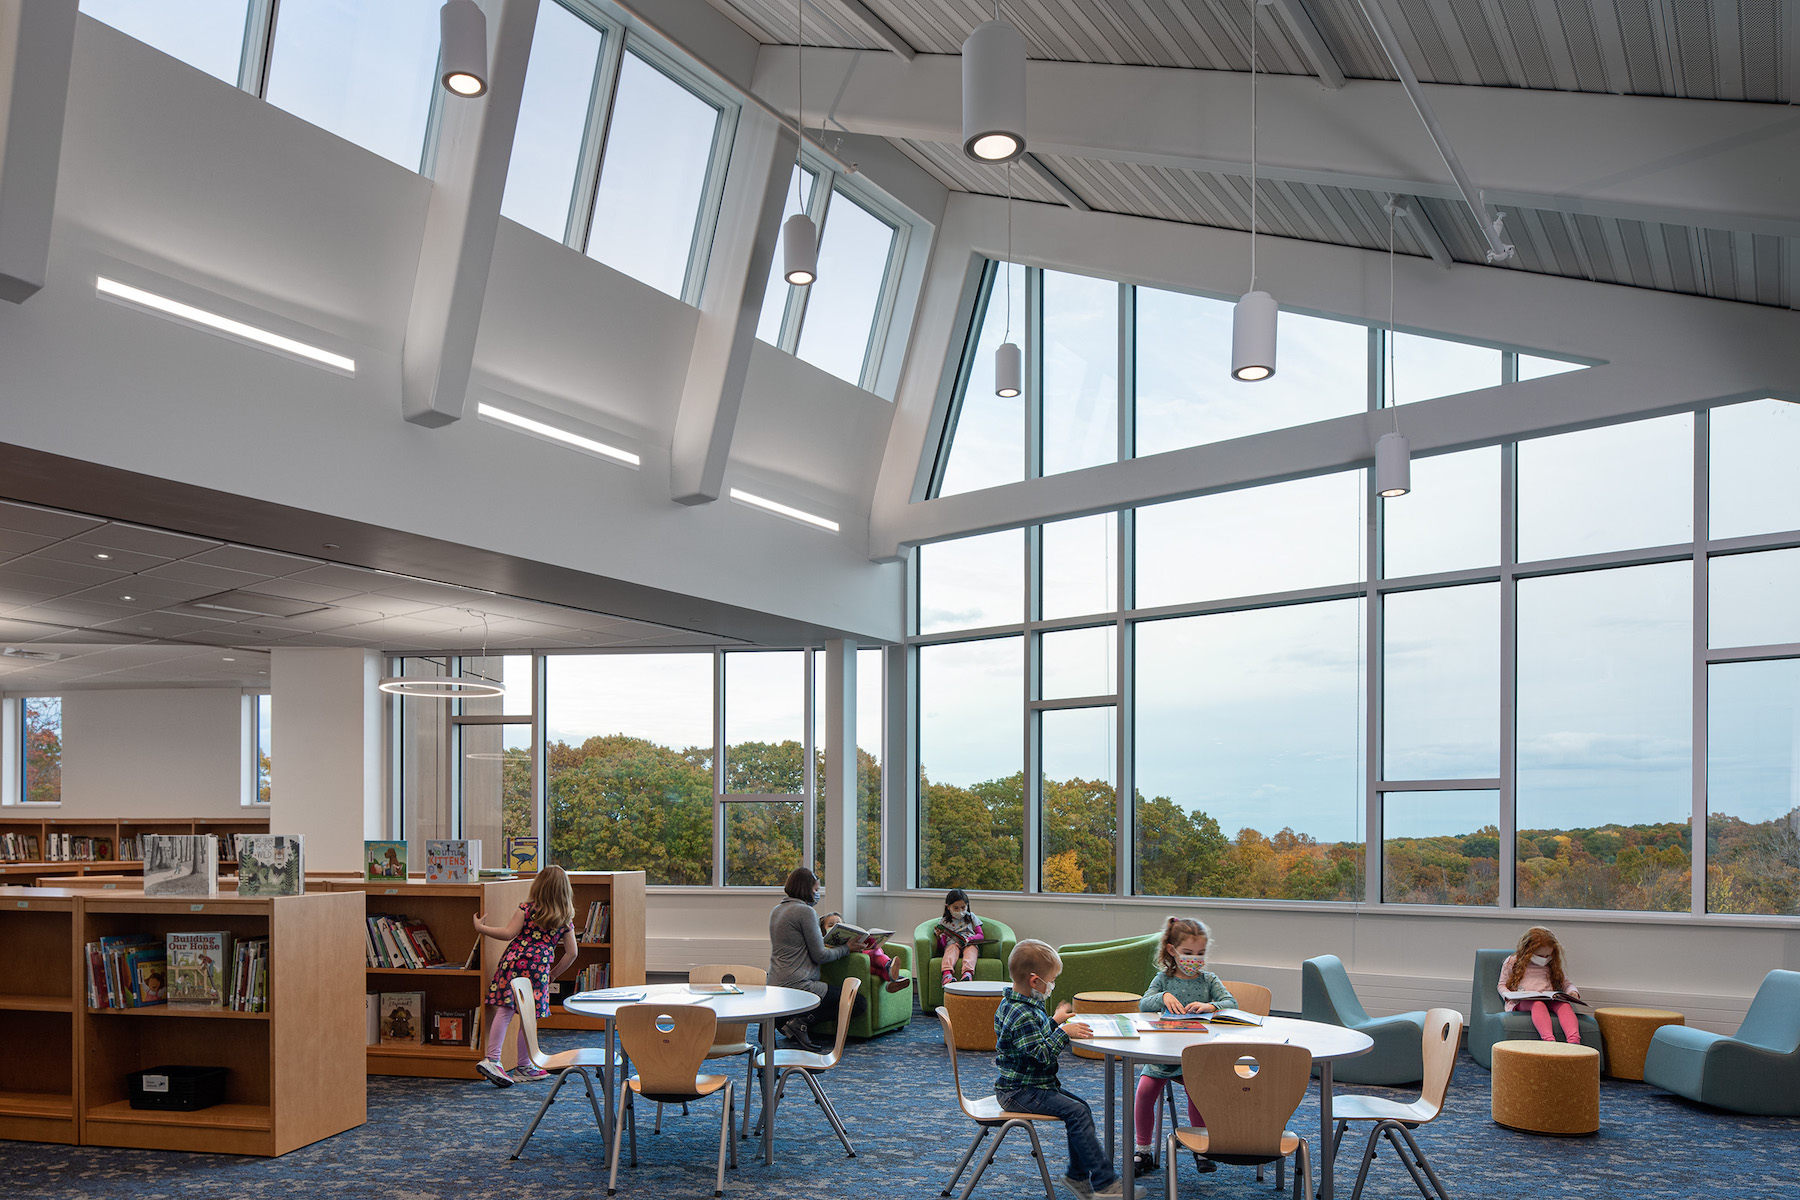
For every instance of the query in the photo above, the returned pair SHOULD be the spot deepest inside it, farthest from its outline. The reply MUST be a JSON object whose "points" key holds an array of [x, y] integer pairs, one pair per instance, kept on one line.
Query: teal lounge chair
{"points": [[1755, 1070], [1489, 1022], [1326, 995]]}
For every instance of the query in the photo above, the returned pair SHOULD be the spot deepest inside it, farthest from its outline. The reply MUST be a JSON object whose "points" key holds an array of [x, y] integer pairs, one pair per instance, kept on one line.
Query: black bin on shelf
{"points": [[177, 1088]]}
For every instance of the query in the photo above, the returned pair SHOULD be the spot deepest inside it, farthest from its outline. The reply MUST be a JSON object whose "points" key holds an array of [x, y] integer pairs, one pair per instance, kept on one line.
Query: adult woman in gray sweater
{"points": [[796, 952]]}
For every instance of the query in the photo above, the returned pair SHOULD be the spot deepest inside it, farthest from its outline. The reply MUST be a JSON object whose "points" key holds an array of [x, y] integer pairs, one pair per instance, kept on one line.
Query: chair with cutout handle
{"points": [[1396, 1120], [667, 1043], [1247, 1091], [987, 1114]]}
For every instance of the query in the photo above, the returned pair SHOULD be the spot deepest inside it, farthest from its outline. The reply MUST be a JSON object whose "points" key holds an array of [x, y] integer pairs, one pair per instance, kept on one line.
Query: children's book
{"points": [[452, 860], [1563, 996], [372, 1018], [522, 853], [967, 937], [197, 963], [844, 933], [1177, 1025], [403, 1018], [449, 1027], [384, 861], [181, 865], [271, 864], [715, 989], [1108, 1025], [611, 995], [152, 979], [1222, 1016]]}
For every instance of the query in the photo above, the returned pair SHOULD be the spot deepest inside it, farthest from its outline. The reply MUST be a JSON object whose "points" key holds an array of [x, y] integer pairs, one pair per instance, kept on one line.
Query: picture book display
{"points": [[383, 861], [844, 933], [403, 1018], [197, 964], [452, 860], [521, 854], [452, 1027], [271, 864], [181, 864]]}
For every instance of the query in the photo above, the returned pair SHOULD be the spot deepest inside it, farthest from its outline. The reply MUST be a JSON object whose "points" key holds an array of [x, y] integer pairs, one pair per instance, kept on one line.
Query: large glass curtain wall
{"points": [[630, 776], [1584, 648]]}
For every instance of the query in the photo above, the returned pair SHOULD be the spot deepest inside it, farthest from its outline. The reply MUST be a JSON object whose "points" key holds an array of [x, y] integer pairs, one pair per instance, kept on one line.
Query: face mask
{"points": [[818, 895], [1541, 960], [1189, 966], [1044, 992]]}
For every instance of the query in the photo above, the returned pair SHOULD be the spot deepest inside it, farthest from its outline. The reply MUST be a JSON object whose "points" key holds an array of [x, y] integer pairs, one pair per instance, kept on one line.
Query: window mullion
{"points": [[1701, 639], [593, 141], [259, 35]]}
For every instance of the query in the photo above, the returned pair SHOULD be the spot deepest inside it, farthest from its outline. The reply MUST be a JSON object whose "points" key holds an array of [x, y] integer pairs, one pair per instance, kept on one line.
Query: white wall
{"points": [[325, 752], [175, 752]]}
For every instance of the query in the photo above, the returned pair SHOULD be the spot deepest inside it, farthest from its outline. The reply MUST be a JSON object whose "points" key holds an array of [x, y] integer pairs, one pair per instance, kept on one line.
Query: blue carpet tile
{"points": [[440, 1138]]}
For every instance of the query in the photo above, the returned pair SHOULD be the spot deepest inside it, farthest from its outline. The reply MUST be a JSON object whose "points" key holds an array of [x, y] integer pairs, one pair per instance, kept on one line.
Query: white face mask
{"points": [[1540, 960], [1049, 987]]}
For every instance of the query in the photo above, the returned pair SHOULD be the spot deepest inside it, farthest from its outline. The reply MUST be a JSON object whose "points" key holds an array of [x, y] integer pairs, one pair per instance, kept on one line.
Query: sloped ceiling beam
{"points": [[1299, 22], [865, 19], [37, 45], [1053, 181], [1706, 163]]}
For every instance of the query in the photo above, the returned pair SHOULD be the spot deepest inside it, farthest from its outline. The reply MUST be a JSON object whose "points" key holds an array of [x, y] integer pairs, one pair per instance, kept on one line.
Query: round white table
{"points": [[1328, 1043], [759, 1005]]}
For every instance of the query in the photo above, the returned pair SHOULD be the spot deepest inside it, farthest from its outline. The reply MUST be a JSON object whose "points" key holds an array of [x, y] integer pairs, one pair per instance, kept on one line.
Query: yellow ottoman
{"points": [[1547, 1087], [1102, 1002], [1627, 1033], [972, 1006]]}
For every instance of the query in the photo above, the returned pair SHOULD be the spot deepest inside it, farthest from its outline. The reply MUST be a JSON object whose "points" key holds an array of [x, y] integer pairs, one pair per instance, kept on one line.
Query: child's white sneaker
{"points": [[1116, 1191], [494, 1073]]}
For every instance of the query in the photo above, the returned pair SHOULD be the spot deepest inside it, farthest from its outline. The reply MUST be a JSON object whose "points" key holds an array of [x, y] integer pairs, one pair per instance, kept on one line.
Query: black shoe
{"points": [[797, 1033], [1143, 1162], [1205, 1166]]}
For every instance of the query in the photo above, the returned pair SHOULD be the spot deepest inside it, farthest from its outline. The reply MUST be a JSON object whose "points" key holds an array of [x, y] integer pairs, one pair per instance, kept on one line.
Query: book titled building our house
{"points": [[271, 864], [197, 965], [384, 860], [181, 864], [452, 860]]}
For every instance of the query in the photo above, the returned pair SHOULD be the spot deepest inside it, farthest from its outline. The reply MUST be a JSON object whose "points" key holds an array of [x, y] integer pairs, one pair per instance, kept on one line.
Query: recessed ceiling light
{"points": [[102, 556], [783, 510], [331, 545], [228, 658], [128, 597], [501, 416], [213, 322]]}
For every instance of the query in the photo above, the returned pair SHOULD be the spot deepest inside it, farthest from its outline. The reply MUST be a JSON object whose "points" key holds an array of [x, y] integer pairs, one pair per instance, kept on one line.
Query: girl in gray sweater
{"points": [[1182, 985]]}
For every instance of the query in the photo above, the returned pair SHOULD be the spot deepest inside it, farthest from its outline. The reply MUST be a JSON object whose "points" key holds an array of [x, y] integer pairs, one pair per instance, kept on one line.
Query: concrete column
{"points": [[326, 752], [837, 791]]}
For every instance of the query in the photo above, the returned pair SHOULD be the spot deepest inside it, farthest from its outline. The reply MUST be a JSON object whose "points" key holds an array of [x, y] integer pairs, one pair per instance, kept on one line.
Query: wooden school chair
{"points": [[1247, 1091], [1443, 1034], [809, 1066], [668, 1044], [561, 1064], [989, 1116]]}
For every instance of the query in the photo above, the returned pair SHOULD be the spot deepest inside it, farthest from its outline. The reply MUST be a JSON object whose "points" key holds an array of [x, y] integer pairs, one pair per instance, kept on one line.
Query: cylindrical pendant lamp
{"points": [[1393, 466], [463, 51], [1253, 337], [799, 250], [993, 93], [1009, 370]]}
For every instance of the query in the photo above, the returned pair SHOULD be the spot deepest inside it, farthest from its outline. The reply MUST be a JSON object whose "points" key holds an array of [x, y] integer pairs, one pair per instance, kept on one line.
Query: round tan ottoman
{"points": [[1102, 1002], [1627, 1033], [972, 1006], [1547, 1087]]}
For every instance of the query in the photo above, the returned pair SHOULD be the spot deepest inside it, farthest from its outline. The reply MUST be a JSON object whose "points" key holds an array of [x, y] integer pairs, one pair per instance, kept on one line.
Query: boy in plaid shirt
{"points": [[1028, 1041]]}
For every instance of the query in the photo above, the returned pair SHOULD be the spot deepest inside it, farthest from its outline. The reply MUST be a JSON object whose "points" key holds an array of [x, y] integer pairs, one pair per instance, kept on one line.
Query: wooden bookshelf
{"points": [[623, 947], [25, 872], [448, 910], [296, 1070], [39, 1085]]}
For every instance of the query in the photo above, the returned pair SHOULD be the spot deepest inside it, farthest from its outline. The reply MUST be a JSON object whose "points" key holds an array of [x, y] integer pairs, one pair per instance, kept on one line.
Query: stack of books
{"points": [[599, 920], [127, 972], [593, 978], [250, 976], [398, 941], [19, 847]]}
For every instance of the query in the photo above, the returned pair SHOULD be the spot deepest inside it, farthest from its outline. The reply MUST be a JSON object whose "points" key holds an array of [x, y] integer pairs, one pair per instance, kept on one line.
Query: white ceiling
{"points": [[126, 605]]}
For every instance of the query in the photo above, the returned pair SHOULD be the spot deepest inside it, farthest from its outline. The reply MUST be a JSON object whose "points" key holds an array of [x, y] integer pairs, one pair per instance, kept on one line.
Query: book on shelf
{"points": [[594, 977], [231, 847], [1107, 1025], [599, 921], [197, 969], [181, 864], [250, 976], [844, 934], [393, 941], [271, 864], [403, 1018], [450, 1026], [19, 847], [114, 980], [383, 861], [452, 860], [372, 1018], [521, 854]]}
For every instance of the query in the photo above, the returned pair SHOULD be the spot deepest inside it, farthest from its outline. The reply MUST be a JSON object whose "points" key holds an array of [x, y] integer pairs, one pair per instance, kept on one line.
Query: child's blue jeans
{"points": [[1086, 1159]]}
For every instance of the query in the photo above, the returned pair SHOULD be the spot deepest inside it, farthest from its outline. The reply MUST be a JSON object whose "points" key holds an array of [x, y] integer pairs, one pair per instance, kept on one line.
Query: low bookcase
{"points": [[295, 1070], [622, 948], [448, 910]]}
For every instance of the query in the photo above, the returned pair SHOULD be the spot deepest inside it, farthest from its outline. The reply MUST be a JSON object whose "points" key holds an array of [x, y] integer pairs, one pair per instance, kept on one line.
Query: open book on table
{"points": [[1512, 995], [609, 995], [844, 934], [1220, 1016], [715, 989], [1107, 1025]]}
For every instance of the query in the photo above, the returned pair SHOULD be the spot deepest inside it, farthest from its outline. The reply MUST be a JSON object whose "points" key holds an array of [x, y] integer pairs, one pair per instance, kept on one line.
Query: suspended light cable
{"points": [[1393, 456], [1009, 363], [1254, 319], [799, 236]]}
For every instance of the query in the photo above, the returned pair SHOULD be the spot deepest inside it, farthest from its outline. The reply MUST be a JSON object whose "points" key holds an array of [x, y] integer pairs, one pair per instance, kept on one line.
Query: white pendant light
{"points": [[1254, 319], [799, 250], [1393, 466], [1009, 370], [462, 27], [993, 92]]}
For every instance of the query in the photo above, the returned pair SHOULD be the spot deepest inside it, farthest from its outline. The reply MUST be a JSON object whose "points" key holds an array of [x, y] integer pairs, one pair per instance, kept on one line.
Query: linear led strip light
{"points": [[212, 322], [557, 435], [782, 510]]}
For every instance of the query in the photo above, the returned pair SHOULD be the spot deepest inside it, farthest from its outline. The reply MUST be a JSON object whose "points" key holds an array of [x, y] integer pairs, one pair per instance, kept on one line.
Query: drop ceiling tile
{"points": [[49, 522], [90, 636], [263, 562], [20, 593], [435, 593], [87, 554], [73, 613], [140, 539], [159, 625], [14, 542], [219, 578], [25, 631], [387, 605], [212, 637], [295, 589], [339, 575], [144, 598], [80, 574]]}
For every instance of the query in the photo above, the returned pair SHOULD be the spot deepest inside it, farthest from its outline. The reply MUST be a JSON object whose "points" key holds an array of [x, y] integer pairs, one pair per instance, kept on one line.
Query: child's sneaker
{"points": [[1082, 1188], [899, 985], [529, 1074], [494, 1073], [1144, 1161], [1116, 1191]]}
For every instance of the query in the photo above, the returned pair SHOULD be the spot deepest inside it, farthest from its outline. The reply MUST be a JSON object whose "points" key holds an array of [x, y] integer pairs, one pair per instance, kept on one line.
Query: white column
{"points": [[837, 791], [37, 46], [325, 752]]}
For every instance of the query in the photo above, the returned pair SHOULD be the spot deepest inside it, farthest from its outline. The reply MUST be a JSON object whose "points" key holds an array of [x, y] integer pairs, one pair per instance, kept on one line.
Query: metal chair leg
{"points": [[612, 1176], [963, 1163], [749, 1086], [1037, 1152], [633, 1134], [989, 1156], [1368, 1157], [1388, 1128], [656, 1129], [724, 1141], [837, 1124], [1168, 1166], [542, 1109], [1424, 1165], [1303, 1180]]}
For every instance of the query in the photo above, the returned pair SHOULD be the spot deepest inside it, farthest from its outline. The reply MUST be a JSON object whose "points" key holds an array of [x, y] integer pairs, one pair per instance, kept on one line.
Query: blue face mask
{"points": [[818, 895]]}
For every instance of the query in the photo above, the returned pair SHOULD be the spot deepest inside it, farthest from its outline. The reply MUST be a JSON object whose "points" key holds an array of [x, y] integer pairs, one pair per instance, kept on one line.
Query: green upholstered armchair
{"points": [[886, 1010], [1326, 995], [991, 965], [1756, 1070], [1489, 1022], [1121, 965]]}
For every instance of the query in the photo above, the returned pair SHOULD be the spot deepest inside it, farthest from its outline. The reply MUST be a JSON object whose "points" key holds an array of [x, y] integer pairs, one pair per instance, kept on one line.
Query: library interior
{"points": [[1248, 643]]}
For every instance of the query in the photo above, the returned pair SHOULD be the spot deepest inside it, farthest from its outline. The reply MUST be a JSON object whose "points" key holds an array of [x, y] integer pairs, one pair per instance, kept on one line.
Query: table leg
{"points": [[1128, 1164], [768, 1098], [1110, 1147], [1325, 1156], [606, 1076]]}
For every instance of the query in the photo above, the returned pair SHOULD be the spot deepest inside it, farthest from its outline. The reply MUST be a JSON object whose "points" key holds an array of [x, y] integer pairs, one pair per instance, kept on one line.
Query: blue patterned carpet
{"points": [[427, 1139]]}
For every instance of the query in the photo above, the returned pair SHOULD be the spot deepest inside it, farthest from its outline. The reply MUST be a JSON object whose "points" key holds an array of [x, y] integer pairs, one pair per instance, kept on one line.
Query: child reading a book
{"points": [[542, 925], [1027, 1043], [1532, 980], [1182, 985], [881, 964], [959, 936]]}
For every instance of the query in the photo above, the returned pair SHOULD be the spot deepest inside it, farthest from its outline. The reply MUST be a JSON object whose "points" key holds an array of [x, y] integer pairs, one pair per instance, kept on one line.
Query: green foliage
{"points": [[43, 749]]}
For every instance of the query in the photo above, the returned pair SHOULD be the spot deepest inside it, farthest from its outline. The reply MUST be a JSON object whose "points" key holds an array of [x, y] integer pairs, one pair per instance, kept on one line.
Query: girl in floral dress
{"points": [[533, 936]]}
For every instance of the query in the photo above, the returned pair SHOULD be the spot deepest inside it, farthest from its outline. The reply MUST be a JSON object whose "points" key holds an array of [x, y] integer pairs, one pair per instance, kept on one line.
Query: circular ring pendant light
{"points": [[462, 26], [441, 688], [993, 92]]}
